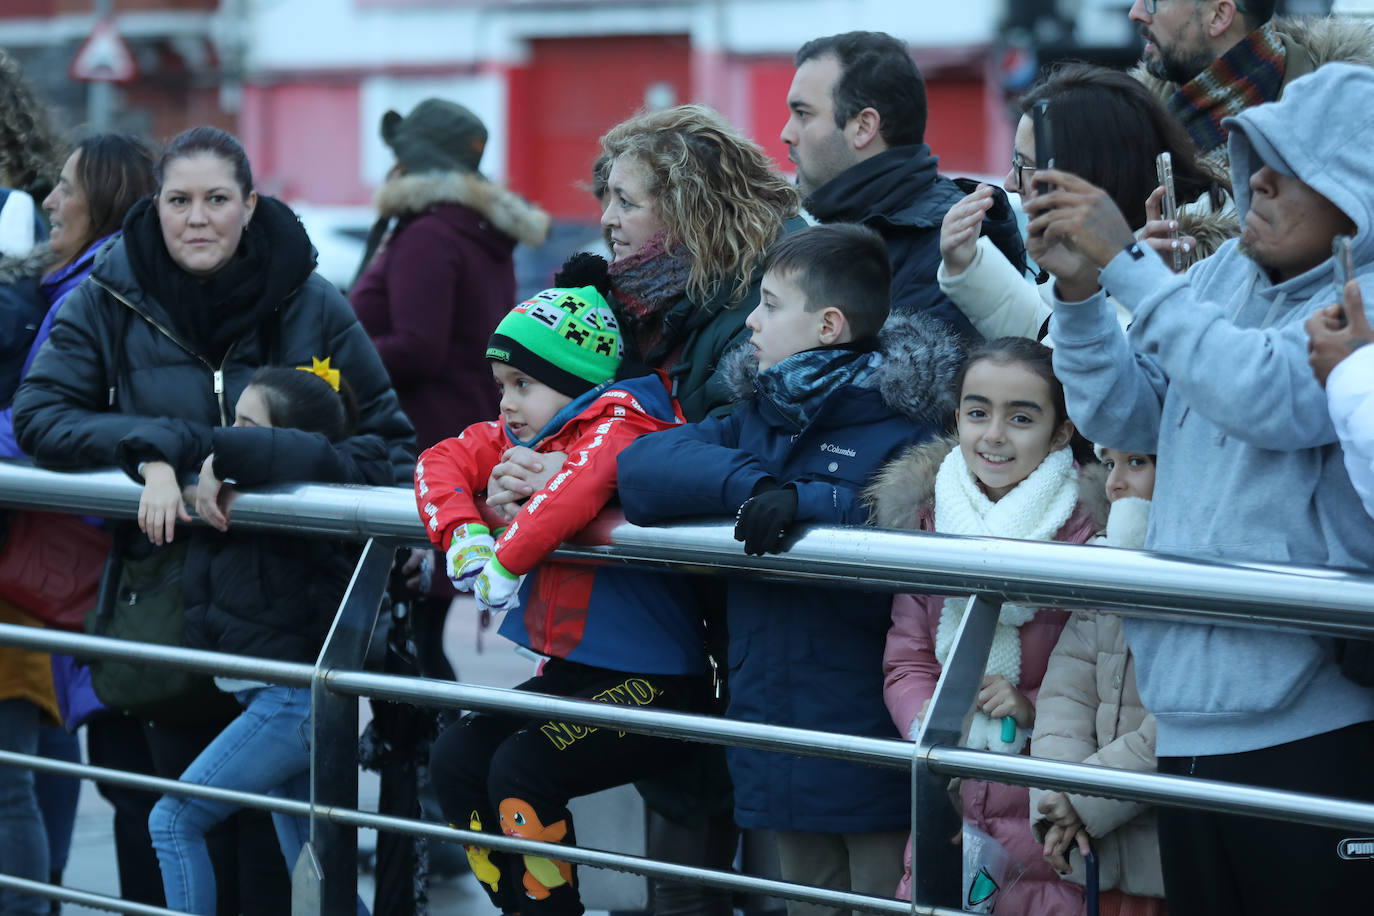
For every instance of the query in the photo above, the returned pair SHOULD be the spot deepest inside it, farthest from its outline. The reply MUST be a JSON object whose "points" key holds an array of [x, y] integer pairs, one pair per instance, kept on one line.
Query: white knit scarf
{"points": [[1034, 510]]}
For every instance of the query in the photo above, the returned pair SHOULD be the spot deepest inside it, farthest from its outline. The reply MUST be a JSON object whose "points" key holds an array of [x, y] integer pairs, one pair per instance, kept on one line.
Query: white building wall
{"points": [[344, 35]]}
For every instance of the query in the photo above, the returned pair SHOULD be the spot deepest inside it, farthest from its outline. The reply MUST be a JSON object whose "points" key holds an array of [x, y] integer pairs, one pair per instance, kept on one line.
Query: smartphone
{"points": [[1044, 142], [1345, 268], [1164, 169]]}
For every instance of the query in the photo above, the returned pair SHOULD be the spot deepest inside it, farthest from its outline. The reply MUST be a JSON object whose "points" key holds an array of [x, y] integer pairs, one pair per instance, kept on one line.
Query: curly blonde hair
{"points": [[715, 190], [30, 153]]}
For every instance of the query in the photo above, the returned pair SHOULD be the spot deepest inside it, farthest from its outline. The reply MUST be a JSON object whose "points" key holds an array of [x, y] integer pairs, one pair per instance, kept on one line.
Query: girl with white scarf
{"points": [[1012, 474]]}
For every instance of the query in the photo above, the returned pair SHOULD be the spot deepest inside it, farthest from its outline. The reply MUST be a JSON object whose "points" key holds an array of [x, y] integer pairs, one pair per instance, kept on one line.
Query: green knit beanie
{"points": [[567, 339]]}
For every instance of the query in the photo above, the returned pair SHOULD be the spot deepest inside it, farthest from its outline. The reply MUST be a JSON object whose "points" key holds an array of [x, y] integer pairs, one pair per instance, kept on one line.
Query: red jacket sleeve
{"points": [[449, 476], [576, 493]]}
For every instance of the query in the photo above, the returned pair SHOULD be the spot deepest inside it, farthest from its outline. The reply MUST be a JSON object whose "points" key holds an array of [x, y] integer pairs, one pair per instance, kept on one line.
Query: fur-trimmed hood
{"points": [[28, 266], [905, 488], [1209, 226], [920, 361], [507, 211]]}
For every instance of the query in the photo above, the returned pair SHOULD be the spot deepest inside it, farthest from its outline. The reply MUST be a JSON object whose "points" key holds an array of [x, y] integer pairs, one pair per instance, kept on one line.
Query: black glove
{"points": [[763, 520]]}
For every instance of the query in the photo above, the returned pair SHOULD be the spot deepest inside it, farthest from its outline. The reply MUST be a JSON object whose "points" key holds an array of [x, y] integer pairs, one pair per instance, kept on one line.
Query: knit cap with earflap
{"points": [[567, 339]]}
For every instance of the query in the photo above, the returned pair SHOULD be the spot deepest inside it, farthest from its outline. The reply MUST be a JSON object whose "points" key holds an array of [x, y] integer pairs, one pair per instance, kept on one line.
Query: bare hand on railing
{"points": [[521, 473], [213, 497], [999, 698], [160, 506]]}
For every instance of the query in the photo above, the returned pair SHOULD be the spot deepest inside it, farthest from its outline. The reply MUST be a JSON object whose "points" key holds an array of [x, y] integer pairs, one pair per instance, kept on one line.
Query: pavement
{"points": [[91, 865]]}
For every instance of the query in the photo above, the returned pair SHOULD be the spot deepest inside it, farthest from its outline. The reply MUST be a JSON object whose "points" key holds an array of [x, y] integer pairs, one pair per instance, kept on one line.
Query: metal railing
{"points": [[1317, 600]]}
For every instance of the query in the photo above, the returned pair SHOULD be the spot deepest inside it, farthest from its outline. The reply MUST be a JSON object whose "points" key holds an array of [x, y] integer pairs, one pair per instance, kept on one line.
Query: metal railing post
{"points": [[333, 847], [936, 862]]}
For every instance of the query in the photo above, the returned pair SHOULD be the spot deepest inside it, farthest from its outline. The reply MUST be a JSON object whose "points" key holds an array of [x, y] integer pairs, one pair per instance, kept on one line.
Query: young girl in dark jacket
{"points": [[269, 596]]}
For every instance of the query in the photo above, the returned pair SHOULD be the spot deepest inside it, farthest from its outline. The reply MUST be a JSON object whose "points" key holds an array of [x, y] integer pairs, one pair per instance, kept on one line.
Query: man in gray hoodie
{"points": [[1213, 374]]}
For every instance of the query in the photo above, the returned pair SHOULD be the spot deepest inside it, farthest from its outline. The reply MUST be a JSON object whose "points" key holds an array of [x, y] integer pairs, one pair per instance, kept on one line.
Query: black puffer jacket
{"points": [[901, 195], [115, 360], [260, 595]]}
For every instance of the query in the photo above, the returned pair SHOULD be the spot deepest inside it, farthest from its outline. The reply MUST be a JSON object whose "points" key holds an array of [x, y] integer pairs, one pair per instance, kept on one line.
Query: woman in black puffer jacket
{"points": [[208, 283]]}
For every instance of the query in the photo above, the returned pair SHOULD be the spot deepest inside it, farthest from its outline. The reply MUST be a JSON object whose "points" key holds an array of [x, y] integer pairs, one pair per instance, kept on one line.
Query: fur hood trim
{"points": [[916, 378], [507, 211], [1326, 38], [1209, 225], [905, 487], [32, 265]]}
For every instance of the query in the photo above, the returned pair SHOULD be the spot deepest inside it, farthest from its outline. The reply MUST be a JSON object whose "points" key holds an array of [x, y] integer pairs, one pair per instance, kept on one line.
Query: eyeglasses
{"points": [[1022, 170], [1152, 5]]}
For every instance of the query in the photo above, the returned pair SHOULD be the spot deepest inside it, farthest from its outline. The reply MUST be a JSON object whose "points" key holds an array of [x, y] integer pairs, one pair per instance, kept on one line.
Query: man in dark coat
{"points": [[857, 136]]}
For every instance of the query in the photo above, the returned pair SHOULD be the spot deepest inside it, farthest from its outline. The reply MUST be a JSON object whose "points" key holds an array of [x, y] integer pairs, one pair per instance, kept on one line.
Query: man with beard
{"points": [[856, 134], [1210, 59], [1213, 376]]}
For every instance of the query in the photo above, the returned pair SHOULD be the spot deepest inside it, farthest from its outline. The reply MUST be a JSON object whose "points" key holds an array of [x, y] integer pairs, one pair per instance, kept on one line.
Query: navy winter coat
{"points": [[252, 593], [804, 655], [901, 195]]}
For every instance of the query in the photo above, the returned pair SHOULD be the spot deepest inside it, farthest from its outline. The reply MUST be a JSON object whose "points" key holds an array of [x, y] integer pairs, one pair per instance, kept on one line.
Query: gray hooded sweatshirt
{"points": [[1214, 370]]}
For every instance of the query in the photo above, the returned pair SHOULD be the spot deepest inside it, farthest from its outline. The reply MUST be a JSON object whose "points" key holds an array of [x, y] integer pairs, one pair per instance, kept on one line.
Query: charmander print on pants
{"points": [[518, 819]]}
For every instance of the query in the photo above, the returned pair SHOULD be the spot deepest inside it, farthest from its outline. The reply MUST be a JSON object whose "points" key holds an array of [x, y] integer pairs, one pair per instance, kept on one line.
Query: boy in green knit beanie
{"points": [[611, 634]]}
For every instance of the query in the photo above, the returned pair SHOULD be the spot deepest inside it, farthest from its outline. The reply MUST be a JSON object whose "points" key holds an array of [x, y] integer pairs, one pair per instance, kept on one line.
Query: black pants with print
{"points": [[514, 775], [1219, 864]]}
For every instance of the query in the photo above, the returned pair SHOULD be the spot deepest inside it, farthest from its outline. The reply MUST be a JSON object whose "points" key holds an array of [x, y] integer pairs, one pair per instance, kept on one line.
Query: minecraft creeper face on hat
{"points": [[566, 338]]}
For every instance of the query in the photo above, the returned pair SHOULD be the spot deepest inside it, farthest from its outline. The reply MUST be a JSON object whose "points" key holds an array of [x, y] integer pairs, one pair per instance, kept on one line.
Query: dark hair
{"points": [[1108, 128], [844, 265], [1039, 359], [206, 140], [302, 400], [114, 172], [876, 71]]}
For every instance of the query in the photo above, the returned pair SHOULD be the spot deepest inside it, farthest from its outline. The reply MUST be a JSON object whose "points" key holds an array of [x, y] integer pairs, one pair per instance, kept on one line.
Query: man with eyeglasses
{"points": [[856, 134], [1211, 59]]}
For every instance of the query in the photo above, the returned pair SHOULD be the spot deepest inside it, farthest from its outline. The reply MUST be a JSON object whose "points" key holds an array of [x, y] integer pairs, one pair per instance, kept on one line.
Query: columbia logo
{"points": [[1356, 848], [836, 450]]}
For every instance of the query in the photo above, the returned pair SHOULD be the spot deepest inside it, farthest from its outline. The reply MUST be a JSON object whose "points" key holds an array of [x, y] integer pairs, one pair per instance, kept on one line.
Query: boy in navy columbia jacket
{"points": [[826, 399]]}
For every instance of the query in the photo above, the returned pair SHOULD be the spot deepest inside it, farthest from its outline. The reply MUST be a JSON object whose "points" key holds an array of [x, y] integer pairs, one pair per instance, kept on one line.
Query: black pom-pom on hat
{"points": [[584, 269]]}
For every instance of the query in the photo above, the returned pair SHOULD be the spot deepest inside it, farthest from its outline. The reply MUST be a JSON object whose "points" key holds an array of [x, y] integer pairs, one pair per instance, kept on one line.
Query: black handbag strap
{"points": [[109, 583]]}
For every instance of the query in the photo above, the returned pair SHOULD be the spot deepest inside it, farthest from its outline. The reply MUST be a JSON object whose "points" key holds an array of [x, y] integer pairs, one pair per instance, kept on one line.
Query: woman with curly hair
{"points": [[30, 154], [690, 207]]}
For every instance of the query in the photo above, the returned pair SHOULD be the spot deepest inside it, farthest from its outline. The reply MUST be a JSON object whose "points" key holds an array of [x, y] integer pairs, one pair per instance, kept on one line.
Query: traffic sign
{"points": [[104, 57]]}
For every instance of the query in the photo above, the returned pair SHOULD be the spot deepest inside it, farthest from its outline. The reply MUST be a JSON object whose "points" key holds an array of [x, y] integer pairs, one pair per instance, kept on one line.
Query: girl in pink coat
{"points": [[1011, 474]]}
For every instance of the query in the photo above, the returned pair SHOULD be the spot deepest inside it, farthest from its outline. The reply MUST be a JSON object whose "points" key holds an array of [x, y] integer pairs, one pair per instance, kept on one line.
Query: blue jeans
{"points": [[267, 750], [23, 841]]}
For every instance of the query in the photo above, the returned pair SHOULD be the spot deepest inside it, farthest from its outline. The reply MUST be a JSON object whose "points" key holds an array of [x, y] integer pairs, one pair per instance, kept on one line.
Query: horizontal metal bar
{"points": [[85, 898], [348, 817], [1319, 599], [890, 753], [290, 674], [1155, 788]]}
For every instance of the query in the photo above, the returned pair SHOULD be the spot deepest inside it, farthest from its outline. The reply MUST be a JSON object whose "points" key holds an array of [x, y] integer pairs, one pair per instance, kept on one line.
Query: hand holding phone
{"points": [[1345, 270], [1164, 168], [1044, 142]]}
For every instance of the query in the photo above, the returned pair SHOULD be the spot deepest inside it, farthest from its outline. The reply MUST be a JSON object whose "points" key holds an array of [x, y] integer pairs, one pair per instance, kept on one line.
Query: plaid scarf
{"points": [[799, 384], [1251, 73], [647, 284]]}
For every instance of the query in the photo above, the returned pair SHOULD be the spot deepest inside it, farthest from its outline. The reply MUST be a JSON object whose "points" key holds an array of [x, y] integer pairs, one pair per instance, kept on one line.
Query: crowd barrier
{"points": [[990, 570]]}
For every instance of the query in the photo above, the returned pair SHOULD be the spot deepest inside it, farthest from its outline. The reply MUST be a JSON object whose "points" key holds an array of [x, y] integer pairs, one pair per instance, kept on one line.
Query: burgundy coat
{"points": [[438, 287]]}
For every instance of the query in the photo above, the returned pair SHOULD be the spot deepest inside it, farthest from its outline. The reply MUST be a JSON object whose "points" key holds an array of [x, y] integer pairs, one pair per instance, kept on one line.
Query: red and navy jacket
{"points": [[611, 617]]}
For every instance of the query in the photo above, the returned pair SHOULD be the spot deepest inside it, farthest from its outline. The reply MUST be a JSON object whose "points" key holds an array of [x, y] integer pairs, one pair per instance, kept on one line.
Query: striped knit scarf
{"points": [[1251, 73]]}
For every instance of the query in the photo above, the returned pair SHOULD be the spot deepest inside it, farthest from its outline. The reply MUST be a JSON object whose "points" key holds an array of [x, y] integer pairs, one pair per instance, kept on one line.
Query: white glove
{"points": [[496, 589], [470, 549]]}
